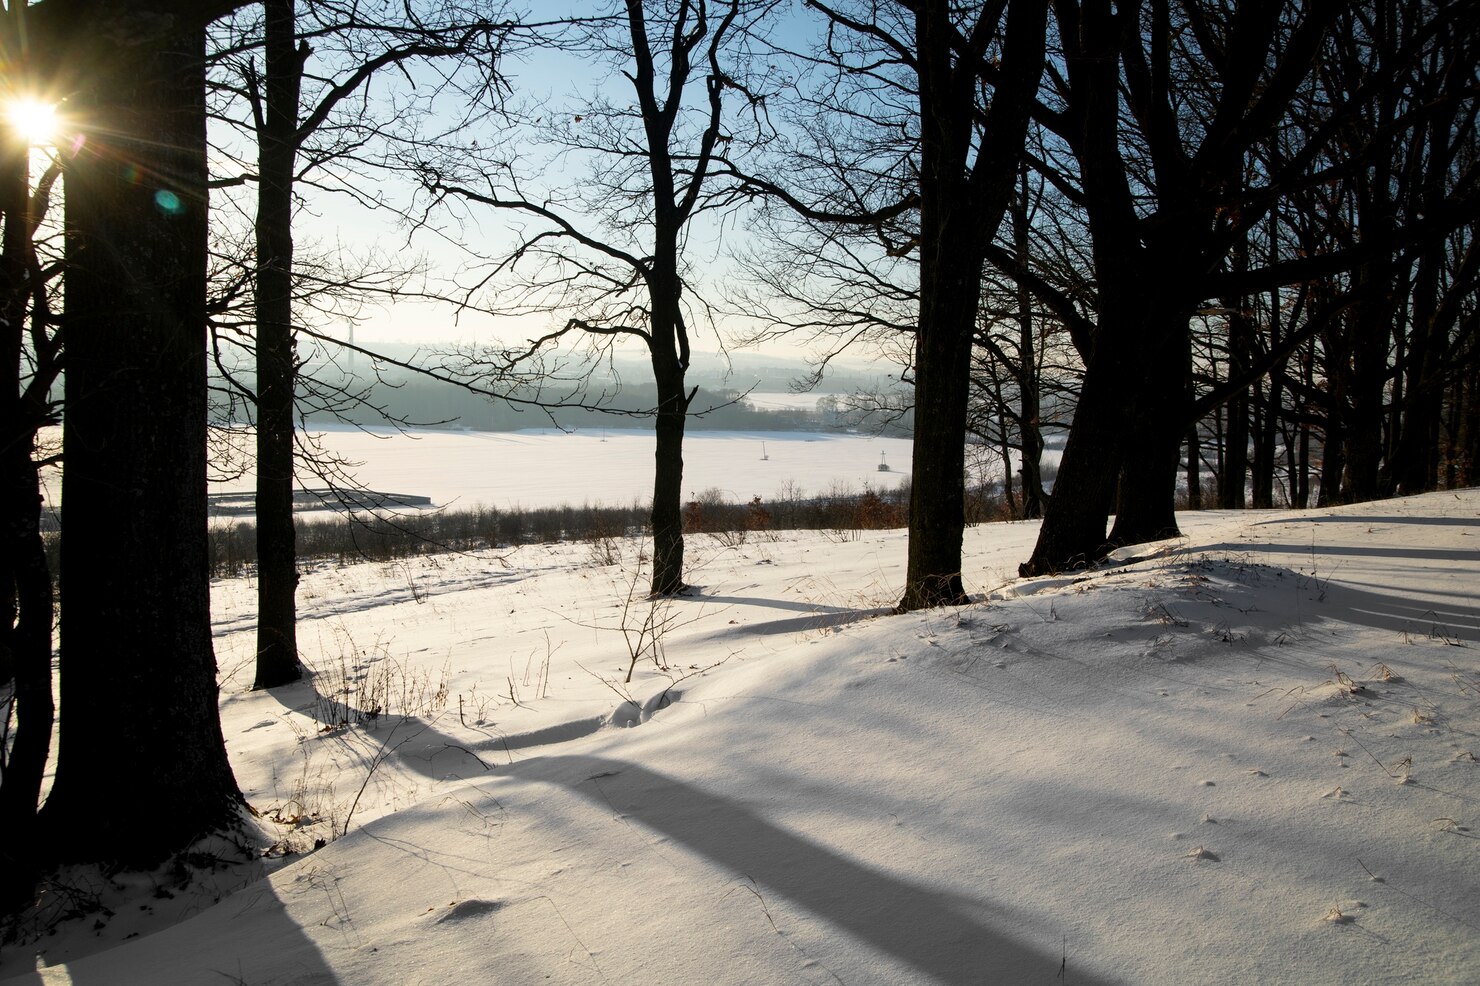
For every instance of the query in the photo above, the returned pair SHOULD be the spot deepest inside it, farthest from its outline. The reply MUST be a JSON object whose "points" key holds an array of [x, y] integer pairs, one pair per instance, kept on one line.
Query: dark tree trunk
{"points": [[1268, 399], [1262, 492], [1146, 508], [28, 642], [1464, 454], [938, 470], [277, 562], [1028, 379], [1266, 406], [1303, 410], [1233, 479], [1009, 488], [1194, 469], [1333, 462], [1363, 416], [667, 514], [963, 198], [25, 577], [138, 671], [1073, 532], [1415, 465]]}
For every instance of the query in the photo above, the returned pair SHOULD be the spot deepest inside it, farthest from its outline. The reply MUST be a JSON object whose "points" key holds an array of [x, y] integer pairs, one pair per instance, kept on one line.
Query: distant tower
{"points": [[883, 463], [352, 345]]}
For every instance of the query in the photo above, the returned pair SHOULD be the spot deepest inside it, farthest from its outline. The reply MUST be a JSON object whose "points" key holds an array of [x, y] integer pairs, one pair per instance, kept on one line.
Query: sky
{"points": [[460, 239]]}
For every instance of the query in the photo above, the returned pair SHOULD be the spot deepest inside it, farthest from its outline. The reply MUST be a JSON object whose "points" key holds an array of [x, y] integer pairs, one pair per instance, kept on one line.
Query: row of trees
{"points": [[1243, 230]]}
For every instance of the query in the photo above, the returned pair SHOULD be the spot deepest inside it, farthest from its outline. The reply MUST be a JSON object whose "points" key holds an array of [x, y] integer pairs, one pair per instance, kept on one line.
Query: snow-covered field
{"points": [[1249, 756]]}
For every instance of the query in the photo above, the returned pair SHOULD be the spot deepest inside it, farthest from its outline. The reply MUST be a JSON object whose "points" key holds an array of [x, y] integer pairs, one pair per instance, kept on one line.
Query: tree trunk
{"points": [[1363, 416], [28, 642], [1028, 378], [25, 577], [1146, 508], [1269, 401], [277, 562], [1464, 453], [1233, 479], [667, 515], [964, 194], [138, 673], [937, 512], [1194, 469], [1073, 532]]}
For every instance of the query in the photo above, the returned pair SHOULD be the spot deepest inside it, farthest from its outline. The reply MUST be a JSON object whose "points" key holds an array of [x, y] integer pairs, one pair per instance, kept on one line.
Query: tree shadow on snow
{"points": [[817, 618], [948, 938], [1371, 521], [249, 937], [1462, 554], [1427, 611]]}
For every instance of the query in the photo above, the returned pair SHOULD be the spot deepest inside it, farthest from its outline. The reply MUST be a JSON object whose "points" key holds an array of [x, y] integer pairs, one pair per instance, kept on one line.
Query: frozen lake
{"points": [[548, 467]]}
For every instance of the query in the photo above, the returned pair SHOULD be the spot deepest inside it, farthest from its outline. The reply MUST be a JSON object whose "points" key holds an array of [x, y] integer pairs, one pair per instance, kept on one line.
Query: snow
{"points": [[774, 400], [1247, 755], [548, 467]]}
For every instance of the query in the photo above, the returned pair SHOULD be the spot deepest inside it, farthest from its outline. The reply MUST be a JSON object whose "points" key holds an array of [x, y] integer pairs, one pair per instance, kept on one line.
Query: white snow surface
{"points": [[549, 468], [1244, 756]]}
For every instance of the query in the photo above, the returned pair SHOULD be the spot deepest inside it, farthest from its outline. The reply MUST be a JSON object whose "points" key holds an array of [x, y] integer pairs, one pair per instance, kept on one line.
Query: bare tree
{"points": [[298, 144], [948, 57], [613, 250]]}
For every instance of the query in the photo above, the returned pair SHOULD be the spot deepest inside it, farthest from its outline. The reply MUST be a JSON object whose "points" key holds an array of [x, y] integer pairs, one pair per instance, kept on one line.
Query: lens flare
{"points": [[168, 202], [32, 120]]}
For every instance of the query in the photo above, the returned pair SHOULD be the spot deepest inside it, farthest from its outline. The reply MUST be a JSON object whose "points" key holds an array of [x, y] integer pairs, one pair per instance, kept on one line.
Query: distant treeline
{"points": [[422, 402], [347, 539], [843, 514]]}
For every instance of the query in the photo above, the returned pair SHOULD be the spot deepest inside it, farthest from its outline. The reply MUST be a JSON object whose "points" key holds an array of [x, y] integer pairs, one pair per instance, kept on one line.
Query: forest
{"points": [[1227, 248]]}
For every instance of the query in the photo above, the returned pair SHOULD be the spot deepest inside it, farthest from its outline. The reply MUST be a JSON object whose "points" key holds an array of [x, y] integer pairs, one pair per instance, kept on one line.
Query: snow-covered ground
{"points": [[1248, 756]]}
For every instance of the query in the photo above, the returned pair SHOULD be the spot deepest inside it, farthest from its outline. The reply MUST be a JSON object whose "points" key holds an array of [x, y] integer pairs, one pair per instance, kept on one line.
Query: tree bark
{"points": [[1146, 505], [937, 514], [1233, 480], [1073, 532], [667, 512], [138, 673], [277, 559]]}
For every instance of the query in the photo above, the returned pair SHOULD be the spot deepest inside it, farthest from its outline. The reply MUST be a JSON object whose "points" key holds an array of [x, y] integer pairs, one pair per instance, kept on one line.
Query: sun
{"points": [[33, 120]]}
